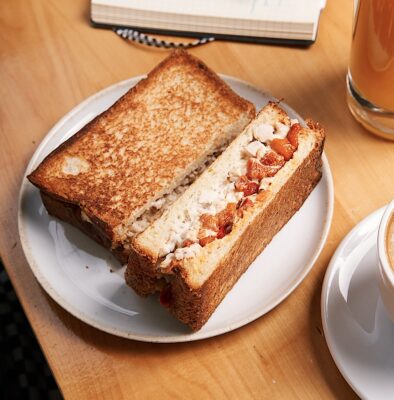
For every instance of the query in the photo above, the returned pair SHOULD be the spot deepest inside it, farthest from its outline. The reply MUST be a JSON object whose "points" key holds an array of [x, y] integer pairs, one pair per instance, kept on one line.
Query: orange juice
{"points": [[372, 56]]}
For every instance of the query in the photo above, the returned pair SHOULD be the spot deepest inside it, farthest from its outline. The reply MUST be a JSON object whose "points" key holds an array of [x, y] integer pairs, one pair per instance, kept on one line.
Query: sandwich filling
{"points": [[160, 205], [219, 209]]}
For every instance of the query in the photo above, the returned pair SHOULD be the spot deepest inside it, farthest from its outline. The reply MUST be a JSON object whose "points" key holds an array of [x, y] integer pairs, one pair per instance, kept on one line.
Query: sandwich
{"points": [[123, 169], [200, 246]]}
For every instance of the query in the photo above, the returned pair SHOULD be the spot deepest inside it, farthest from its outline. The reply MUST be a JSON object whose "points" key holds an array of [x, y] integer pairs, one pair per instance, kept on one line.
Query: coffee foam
{"points": [[390, 241]]}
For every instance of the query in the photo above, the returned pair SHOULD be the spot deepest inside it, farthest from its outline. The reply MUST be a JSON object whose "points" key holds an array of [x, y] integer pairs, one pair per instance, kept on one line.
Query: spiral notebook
{"points": [[291, 21]]}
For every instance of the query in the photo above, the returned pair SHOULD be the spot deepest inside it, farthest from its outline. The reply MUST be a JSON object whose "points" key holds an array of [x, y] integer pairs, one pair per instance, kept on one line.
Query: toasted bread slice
{"points": [[143, 147], [194, 274]]}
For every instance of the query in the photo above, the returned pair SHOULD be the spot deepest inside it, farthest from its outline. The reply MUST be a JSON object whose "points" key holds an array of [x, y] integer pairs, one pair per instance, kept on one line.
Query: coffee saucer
{"points": [[357, 328]]}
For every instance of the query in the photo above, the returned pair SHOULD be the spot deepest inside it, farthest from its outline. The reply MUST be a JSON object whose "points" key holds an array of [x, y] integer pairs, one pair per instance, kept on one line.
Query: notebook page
{"points": [[268, 10]]}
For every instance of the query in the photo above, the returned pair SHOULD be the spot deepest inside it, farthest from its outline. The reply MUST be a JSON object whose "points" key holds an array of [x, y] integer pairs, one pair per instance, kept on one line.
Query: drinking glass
{"points": [[370, 78]]}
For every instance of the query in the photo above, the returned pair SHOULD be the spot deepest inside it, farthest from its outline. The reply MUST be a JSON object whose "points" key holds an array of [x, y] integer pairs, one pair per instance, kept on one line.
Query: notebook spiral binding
{"points": [[135, 36]]}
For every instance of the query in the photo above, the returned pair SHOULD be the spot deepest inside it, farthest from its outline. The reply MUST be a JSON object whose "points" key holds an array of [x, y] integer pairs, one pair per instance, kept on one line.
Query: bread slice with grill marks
{"points": [[142, 148], [198, 276]]}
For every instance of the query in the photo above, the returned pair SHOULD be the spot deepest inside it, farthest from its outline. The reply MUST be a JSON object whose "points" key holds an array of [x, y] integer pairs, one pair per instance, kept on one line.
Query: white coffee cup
{"points": [[385, 270]]}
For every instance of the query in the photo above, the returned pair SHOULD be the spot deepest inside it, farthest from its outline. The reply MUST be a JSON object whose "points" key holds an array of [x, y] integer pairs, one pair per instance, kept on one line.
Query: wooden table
{"points": [[51, 59]]}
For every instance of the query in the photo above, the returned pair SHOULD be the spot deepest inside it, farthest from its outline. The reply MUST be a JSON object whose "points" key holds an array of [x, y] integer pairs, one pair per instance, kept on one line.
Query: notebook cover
{"points": [[234, 38]]}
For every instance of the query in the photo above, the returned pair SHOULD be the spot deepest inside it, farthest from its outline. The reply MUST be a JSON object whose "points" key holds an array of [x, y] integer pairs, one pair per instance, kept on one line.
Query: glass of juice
{"points": [[370, 79]]}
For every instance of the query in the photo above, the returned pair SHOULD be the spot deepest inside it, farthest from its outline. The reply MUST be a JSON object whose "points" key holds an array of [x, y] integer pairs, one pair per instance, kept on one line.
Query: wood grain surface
{"points": [[50, 60]]}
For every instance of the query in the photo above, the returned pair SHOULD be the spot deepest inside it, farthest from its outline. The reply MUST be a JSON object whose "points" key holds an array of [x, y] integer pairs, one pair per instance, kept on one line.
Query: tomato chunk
{"points": [[187, 243], [283, 147], [252, 188], [209, 222], [166, 296], [227, 215], [205, 240], [255, 170], [246, 203], [224, 230], [258, 171], [292, 136], [272, 158], [242, 183]]}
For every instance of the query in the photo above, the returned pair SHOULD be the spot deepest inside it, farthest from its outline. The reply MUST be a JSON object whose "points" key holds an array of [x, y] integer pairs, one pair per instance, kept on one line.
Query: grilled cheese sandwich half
{"points": [[123, 169]]}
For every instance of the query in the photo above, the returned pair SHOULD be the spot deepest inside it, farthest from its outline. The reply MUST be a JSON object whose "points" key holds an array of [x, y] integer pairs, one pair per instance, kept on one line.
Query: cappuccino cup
{"points": [[386, 259]]}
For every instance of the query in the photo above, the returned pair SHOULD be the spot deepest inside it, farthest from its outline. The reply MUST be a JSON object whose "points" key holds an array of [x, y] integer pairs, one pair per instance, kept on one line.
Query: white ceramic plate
{"points": [[358, 331], [88, 282]]}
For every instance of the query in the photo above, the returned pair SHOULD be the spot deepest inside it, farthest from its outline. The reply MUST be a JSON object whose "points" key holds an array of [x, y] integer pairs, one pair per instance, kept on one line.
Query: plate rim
{"points": [[332, 268], [178, 338]]}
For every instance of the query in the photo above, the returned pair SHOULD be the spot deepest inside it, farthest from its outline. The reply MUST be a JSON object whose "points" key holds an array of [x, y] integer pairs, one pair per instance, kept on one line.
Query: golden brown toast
{"points": [[141, 148], [194, 276]]}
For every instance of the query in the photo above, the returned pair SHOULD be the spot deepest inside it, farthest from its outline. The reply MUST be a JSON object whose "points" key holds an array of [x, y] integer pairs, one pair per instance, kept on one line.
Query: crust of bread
{"points": [[194, 298], [139, 273], [122, 166]]}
